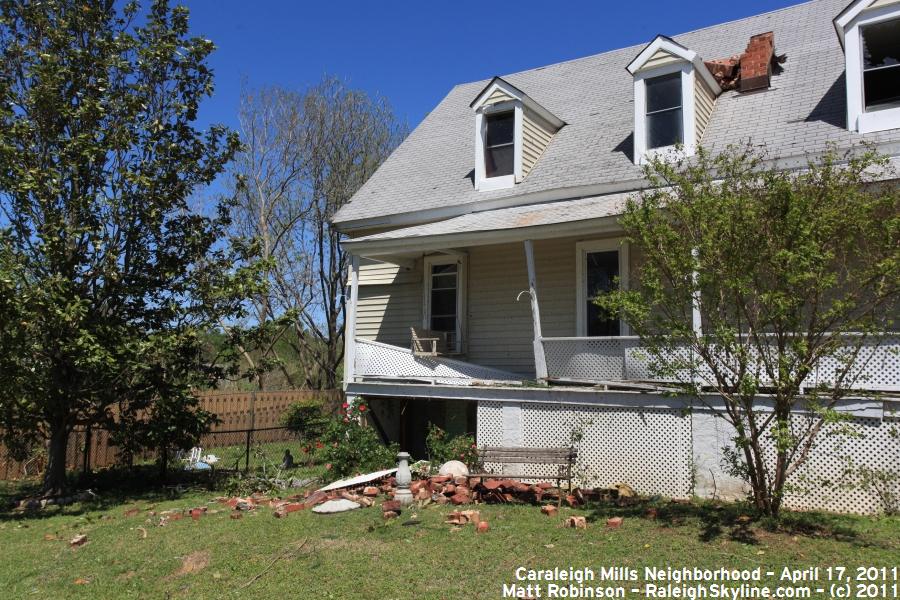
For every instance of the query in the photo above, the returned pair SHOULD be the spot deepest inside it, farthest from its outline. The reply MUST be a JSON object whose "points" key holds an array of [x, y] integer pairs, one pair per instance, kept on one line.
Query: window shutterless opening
{"points": [[665, 125], [602, 266], [499, 144], [445, 300], [881, 64]]}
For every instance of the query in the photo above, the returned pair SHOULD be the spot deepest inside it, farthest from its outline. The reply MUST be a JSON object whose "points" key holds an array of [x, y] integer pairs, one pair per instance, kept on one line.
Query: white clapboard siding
{"points": [[536, 136], [704, 101]]}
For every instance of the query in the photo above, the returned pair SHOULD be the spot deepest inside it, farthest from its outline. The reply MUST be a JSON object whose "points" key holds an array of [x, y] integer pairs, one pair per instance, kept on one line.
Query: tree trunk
{"points": [[55, 482]]}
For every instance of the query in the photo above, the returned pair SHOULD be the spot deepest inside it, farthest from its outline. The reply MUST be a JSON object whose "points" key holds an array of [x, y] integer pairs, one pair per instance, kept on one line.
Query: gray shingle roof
{"points": [[516, 217], [802, 112]]}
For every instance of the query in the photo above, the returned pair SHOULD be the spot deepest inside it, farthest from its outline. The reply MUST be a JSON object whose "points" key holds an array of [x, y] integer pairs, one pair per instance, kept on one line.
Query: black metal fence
{"points": [[233, 449]]}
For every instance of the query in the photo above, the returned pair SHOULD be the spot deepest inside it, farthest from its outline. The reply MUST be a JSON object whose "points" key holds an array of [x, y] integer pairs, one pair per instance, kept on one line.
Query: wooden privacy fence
{"points": [[242, 415], [259, 410]]}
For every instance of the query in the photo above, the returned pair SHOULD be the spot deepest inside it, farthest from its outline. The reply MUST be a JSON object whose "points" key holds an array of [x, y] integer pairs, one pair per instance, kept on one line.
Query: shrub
{"points": [[442, 447], [351, 447], [306, 418]]}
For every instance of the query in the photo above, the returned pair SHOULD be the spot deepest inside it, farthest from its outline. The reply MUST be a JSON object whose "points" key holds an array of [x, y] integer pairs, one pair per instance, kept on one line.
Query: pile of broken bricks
{"points": [[438, 490]]}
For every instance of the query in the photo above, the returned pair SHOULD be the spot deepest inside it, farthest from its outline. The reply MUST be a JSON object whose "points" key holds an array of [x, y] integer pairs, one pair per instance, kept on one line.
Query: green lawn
{"points": [[358, 555]]}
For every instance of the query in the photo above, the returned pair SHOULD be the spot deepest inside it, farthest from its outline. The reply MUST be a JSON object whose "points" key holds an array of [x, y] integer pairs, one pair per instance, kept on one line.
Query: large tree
{"points": [[113, 275], [788, 272], [306, 153]]}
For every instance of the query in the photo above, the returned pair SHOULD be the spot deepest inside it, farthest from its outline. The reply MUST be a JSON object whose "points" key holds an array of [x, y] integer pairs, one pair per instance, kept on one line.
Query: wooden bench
{"points": [[563, 458]]}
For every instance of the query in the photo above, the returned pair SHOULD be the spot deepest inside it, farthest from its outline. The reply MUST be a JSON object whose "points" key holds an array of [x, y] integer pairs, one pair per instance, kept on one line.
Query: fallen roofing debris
{"points": [[358, 480], [336, 506]]}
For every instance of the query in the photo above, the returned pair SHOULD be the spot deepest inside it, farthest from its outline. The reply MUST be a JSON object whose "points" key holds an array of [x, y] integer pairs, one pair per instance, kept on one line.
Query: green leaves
{"points": [[790, 268], [113, 272]]}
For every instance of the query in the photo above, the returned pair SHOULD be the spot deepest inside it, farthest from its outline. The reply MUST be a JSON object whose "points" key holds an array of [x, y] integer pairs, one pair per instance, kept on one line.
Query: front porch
{"points": [[607, 363], [509, 292]]}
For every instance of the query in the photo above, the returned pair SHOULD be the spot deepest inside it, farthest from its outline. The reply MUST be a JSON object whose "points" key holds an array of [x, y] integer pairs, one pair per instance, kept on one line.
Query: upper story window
{"points": [[499, 144], [665, 121], [881, 64], [869, 30], [674, 94], [511, 133]]}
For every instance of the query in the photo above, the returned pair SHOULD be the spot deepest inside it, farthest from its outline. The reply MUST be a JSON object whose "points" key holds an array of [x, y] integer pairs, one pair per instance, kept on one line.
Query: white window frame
{"points": [[581, 251], [461, 262], [858, 119], [482, 182], [643, 154]]}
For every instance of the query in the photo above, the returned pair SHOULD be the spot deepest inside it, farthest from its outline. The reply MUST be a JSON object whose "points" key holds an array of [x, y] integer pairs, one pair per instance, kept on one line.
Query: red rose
{"points": [[362, 407]]}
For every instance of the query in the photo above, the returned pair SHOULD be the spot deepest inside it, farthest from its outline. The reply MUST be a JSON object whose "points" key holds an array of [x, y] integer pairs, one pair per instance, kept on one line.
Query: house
{"points": [[477, 245]]}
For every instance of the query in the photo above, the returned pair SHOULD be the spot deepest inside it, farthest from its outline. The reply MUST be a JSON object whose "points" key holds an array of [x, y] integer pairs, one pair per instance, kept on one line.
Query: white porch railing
{"points": [[375, 360], [623, 359]]}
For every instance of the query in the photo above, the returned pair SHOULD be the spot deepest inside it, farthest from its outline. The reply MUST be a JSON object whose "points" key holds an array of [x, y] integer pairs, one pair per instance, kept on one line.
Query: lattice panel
{"points": [[878, 365], [823, 482], [374, 359], [585, 358], [489, 427], [648, 449], [611, 359]]}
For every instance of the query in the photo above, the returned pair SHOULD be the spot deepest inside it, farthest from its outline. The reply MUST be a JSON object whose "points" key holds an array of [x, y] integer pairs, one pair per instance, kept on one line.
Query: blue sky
{"points": [[414, 52]]}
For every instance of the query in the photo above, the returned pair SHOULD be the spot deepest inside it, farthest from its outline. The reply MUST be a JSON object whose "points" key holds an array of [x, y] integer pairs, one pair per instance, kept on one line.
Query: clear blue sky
{"points": [[414, 52]]}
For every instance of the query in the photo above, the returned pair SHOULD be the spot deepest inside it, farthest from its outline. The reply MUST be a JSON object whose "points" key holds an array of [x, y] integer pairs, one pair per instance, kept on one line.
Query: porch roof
{"points": [[535, 221]]}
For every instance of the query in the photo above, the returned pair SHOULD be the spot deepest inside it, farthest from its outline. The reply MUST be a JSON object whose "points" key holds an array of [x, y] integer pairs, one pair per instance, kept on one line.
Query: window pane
{"points": [[443, 302], [498, 161], [448, 268], [500, 129], [881, 64], [881, 44], [446, 282], [664, 129], [602, 270], [443, 323], [882, 87], [663, 92]]}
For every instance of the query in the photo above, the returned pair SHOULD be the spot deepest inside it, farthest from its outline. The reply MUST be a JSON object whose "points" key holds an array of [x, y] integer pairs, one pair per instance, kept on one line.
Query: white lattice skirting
{"points": [[677, 453]]}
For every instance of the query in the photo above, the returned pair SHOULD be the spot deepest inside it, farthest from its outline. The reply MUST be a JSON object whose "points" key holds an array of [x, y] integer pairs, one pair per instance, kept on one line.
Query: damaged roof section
{"points": [[750, 70]]}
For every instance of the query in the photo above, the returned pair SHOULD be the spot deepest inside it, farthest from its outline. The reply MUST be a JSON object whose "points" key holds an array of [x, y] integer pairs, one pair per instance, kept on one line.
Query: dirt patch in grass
{"points": [[193, 563]]}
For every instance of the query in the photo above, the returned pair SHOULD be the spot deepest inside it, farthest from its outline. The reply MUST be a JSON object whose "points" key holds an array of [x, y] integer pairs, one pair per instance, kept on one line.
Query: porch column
{"points": [[540, 363], [350, 322]]}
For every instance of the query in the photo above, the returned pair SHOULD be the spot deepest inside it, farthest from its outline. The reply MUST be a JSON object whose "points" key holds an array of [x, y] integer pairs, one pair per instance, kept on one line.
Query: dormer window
{"points": [[499, 144], [665, 121], [511, 133], [869, 30], [674, 94], [881, 64]]}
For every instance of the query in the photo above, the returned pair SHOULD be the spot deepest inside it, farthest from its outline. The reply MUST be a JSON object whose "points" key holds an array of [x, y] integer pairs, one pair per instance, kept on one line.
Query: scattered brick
{"points": [[550, 510]]}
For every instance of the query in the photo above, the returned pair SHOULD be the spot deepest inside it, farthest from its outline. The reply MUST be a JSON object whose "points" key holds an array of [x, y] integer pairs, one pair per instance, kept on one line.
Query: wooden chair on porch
{"points": [[426, 342]]}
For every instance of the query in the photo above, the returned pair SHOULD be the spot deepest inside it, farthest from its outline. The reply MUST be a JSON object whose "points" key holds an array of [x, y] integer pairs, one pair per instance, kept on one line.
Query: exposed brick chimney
{"points": [[750, 70], [756, 62]]}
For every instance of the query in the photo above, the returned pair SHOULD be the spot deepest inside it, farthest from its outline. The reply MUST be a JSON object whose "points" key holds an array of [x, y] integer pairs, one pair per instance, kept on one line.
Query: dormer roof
{"points": [[500, 89], [852, 10], [663, 50]]}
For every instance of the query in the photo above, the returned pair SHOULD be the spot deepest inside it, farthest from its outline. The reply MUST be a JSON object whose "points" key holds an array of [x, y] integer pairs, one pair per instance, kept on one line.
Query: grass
{"points": [[358, 555]]}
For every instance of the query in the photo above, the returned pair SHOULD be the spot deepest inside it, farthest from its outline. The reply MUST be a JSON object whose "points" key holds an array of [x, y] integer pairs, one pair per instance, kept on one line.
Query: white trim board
{"points": [[856, 406]]}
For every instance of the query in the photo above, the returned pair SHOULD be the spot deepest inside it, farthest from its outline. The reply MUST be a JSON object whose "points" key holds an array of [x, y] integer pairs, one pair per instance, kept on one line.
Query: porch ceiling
{"points": [[536, 221]]}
